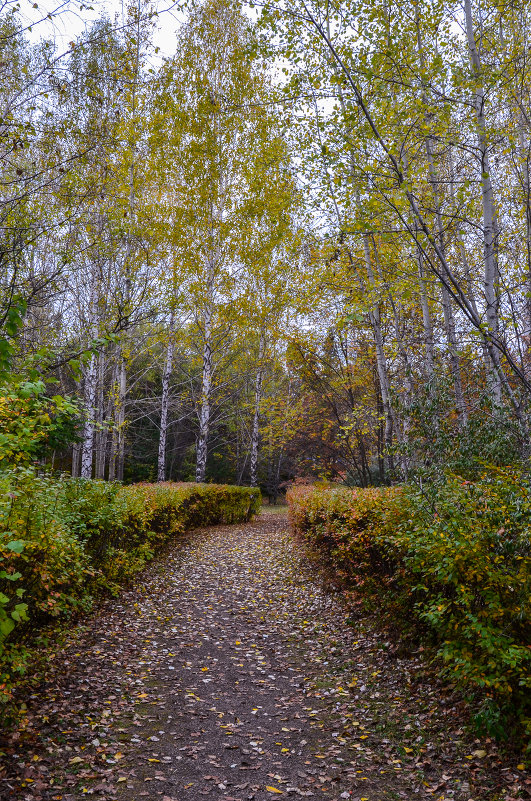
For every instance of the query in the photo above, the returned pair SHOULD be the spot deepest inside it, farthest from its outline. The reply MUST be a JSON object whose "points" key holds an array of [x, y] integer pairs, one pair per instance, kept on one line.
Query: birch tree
{"points": [[217, 146], [420, 124]]}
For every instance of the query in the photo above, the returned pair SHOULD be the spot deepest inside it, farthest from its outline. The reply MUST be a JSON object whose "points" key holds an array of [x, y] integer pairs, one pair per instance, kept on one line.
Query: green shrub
{"points": [[33, 425], [456, 560], [63, 542], [143, 516]]}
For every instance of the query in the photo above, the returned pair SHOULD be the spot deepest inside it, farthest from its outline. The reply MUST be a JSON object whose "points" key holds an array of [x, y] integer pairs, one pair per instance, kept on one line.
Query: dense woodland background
{"points": [[298, 247]]}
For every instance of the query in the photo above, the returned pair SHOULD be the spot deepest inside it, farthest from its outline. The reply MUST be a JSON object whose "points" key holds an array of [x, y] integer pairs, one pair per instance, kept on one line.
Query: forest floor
{"points": [[230, 672]]}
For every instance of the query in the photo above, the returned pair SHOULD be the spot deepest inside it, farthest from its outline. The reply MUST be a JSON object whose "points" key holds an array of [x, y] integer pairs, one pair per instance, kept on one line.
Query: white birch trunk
{"points": [[470, 290], [255, 433], [427, 324], [120, 417], [455, 367], [204, 407], [100, 434], [408, 392], [490, 274], [117, 460], [91, 383], [164, 404], [381, 361], [112, 416], [402, 423], [87, 446], [449, 321], [526, 186], [448, 315]]}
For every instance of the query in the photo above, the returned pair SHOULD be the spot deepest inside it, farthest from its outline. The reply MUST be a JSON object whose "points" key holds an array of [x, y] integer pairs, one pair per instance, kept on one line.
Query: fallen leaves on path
{"points": [[229, 673]]}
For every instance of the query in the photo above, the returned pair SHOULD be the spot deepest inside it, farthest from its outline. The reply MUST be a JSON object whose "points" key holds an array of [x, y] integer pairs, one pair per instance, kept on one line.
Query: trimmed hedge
{"points": [[64, 542], [454, 561]]}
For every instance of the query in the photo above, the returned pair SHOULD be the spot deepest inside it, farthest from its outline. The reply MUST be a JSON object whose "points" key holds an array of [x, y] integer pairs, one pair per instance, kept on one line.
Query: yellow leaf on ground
{"points": [[274, 790]]}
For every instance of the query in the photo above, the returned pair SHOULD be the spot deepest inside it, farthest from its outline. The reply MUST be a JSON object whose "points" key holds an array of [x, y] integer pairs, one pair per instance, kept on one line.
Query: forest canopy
{"points": [[299, 246]]}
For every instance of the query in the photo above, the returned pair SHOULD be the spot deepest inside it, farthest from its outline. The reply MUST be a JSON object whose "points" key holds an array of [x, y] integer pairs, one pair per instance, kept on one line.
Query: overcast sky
{"points": [[70, 19]]}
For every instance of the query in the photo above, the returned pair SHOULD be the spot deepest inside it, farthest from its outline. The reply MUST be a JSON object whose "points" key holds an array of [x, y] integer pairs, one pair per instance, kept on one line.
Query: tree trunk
{"points": [[277, 476], [88, 428], [101, 433], [427, 325], [120, 416], [449, 321], [374, 315], [166, 376], [526, 186], [381, 361], [470, 291], [76, 452], [118, 446], [380, 431], [114, 435], [455, 367], [403, 424], [255, 433], [439, 266], [490, 275], [448, 315], [206, 387]]}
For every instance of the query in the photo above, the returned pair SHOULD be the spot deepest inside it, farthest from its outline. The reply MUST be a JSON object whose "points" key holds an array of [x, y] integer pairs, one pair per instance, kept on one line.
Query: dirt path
{"points": [[230, 674]]}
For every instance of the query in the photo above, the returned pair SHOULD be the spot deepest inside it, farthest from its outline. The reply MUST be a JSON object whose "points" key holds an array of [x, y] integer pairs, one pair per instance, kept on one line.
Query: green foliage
{"points": [[12, 322], [455, 561], [62, 542], [33, 425], [489, 436], [43, 565]]}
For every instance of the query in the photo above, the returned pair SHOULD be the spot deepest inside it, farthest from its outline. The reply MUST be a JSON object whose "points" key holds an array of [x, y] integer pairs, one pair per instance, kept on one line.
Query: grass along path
{"points": [[229, 673]]}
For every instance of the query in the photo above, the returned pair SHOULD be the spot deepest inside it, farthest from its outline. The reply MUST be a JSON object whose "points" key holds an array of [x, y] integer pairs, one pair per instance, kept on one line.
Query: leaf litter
{"points": [[230, 672]]}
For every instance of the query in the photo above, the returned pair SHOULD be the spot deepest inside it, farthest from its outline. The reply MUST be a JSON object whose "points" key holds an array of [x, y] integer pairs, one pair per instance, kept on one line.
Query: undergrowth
{"points": [[453, 562], [64, 542]]}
